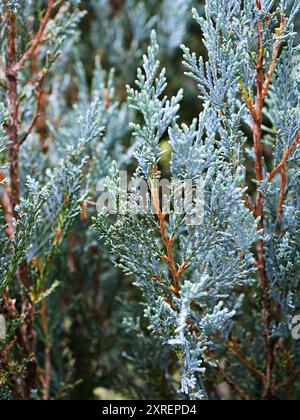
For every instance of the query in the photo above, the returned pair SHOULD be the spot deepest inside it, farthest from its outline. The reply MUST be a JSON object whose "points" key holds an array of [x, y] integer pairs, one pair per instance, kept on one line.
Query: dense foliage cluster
{"points": [[149, 302]]}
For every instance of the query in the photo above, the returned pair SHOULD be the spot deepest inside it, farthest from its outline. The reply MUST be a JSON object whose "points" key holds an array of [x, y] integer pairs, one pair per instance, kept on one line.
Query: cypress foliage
{"points": [[140, 298]]}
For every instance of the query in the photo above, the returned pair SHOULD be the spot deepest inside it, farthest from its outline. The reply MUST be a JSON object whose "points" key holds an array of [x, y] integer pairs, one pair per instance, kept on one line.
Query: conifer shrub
{"points": [[184, 284]]}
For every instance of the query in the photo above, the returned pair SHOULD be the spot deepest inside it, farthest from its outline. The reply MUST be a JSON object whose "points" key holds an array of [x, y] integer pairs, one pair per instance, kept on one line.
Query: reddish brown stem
{"points": [[234, 349], [6, 207], [260, 247], [5, 365], [168, 243], [249, 205], [285, 158], [275, 54], [37, 39], [13, 108], [13, 125], [47, 354], [282, 168], [38, 111], [248, 100], [233, 385], [170, 258]]}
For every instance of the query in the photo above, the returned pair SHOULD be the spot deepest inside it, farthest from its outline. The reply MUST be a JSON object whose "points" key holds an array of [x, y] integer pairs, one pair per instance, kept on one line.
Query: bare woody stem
{"points": [[168, 242], [47, 354], [13, 108], [281, 168], [285, 158], [13, 126], [260, 246], [38, 111], [272, 68], [287, 382], [249, 204], [233, 385]]}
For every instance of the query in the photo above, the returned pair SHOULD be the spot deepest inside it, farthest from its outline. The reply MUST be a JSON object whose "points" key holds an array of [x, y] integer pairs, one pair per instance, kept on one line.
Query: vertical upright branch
{"points": [[13, 105], [47, 354], [26, 335], [168, 242], [261, 261], [37, 39], [13, 124]]}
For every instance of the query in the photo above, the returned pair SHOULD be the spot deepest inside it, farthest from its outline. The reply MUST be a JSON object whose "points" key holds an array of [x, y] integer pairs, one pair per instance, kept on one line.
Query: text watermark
{"points": [[140, 196]]}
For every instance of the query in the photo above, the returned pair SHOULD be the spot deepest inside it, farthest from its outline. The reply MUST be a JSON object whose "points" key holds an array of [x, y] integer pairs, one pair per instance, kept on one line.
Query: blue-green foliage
{"points": [[158, 112], [177, 334], [218, 251]]}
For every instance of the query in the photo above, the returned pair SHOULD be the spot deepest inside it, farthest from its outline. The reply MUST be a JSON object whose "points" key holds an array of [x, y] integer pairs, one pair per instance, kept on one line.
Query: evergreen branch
{"points": [[38, 113], [229, 379], [287, 382], [13, 107], [285, 158], [168, 243], [249, 204], [5, 366], [260, 246], [282, 190], [233, 349], [37, 39], [248, 100], [272, 68]]}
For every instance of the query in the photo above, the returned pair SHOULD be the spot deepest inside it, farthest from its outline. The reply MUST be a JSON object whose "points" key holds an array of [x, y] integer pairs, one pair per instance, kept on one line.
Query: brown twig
{"points": [[233, 385], [13, 109], [7, 211], [285, 158], [47, 354], [37, 39], [168, 242], [274, 58], [6, 366], [38, 113], [282, 168], [286, 383], [8, 349], [248, 100], [249, 204], [260, 247], [20, 383], [234, 350]]}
